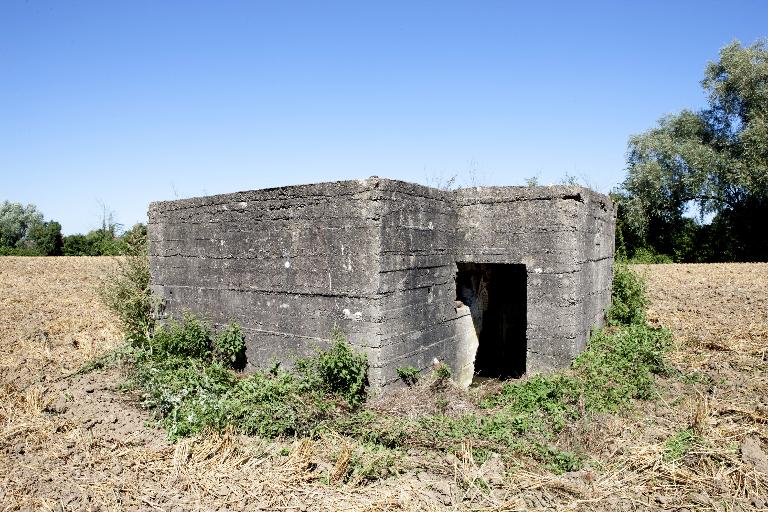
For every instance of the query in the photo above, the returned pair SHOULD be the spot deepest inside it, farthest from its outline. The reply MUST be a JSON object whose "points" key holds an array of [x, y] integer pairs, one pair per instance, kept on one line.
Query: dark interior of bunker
{"points": [[496, 296]]}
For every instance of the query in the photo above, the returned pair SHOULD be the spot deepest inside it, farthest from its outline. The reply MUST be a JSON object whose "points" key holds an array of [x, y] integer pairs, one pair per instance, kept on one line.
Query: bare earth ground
{"points": [[77, 442]]}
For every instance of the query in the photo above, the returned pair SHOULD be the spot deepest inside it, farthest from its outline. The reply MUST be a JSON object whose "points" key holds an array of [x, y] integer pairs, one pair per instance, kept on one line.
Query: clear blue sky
{"points": [[127, 102]]}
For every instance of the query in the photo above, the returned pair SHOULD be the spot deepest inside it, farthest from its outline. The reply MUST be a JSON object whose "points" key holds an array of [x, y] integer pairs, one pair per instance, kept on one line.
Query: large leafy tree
{"points": [[715, 160], [24, 231], [46, 239], [16, 221]]}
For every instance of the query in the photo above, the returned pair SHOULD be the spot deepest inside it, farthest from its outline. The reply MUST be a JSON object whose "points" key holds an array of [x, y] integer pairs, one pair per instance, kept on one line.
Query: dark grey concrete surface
{"points": [[378, 259]]}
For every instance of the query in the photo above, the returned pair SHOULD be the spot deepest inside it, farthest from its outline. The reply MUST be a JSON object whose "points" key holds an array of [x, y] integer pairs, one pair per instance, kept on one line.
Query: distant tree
{"points": [[15, 222], [98, 242], [45, 239], [714, 160], [107, 240], [78, 245], [103, 242], [24, 232]]}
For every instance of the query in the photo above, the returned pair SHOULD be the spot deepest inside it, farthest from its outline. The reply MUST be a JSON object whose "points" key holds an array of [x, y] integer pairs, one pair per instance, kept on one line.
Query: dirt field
{"points": [[77, 442]]}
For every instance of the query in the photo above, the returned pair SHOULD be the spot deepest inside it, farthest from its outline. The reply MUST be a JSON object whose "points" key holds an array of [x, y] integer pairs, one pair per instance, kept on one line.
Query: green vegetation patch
{"points": [[409, 375], [126, 291], [678, 446], [628, 300], [525, 417], [187, 373]]}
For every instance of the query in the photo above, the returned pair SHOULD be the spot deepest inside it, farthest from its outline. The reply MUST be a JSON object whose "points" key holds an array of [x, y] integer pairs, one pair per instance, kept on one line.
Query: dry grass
{"points": [[430, 395], [81, 444], [50, 320]]}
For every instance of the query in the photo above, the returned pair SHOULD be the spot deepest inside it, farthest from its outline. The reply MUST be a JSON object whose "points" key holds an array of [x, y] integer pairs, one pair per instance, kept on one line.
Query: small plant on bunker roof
{"points": [[533, 181]]}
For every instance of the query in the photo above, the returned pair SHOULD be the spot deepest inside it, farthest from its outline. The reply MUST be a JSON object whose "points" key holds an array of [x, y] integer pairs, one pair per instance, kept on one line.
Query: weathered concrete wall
{"points": [[564, 237], [287, 264], [597, 228], [418, 267], [378, 259]]}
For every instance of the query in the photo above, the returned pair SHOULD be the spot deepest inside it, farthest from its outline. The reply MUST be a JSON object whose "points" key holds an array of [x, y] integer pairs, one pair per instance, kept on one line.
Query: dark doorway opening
{"points": [[496, 296]]}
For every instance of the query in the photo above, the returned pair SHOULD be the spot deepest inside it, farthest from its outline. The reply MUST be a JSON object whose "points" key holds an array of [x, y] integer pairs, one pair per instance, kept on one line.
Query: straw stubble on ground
{"points": [[80, 443]]}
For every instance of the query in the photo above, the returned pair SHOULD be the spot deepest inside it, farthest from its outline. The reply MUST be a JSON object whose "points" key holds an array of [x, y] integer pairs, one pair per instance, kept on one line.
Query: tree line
{"points": [[697, 184], [25, 232]]}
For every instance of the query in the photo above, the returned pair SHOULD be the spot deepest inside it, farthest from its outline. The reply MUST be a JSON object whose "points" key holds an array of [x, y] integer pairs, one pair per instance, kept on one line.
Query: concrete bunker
{"points": [[388, 262], [496, 296]]}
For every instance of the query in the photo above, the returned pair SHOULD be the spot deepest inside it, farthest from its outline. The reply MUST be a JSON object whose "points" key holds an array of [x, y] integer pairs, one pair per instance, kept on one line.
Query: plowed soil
{"points": [[77, 441]]}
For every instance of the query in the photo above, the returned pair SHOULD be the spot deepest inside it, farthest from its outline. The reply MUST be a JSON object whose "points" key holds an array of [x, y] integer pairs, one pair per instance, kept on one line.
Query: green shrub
{"points": [[191, 338], [539, 403], [339, 370], [269, 405], [185, 375], [647, 256], [190, 395], [184, 392], [126, 292], [526, 416], [628, 301], [194, 338], [619, 365], [229, 346], [371, 462], [19, 251], [558, 461], [409, 375]]}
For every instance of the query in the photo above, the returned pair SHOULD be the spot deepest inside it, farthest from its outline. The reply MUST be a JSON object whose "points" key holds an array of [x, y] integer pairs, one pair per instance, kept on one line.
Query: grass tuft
{"points": [[678, 446]]}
